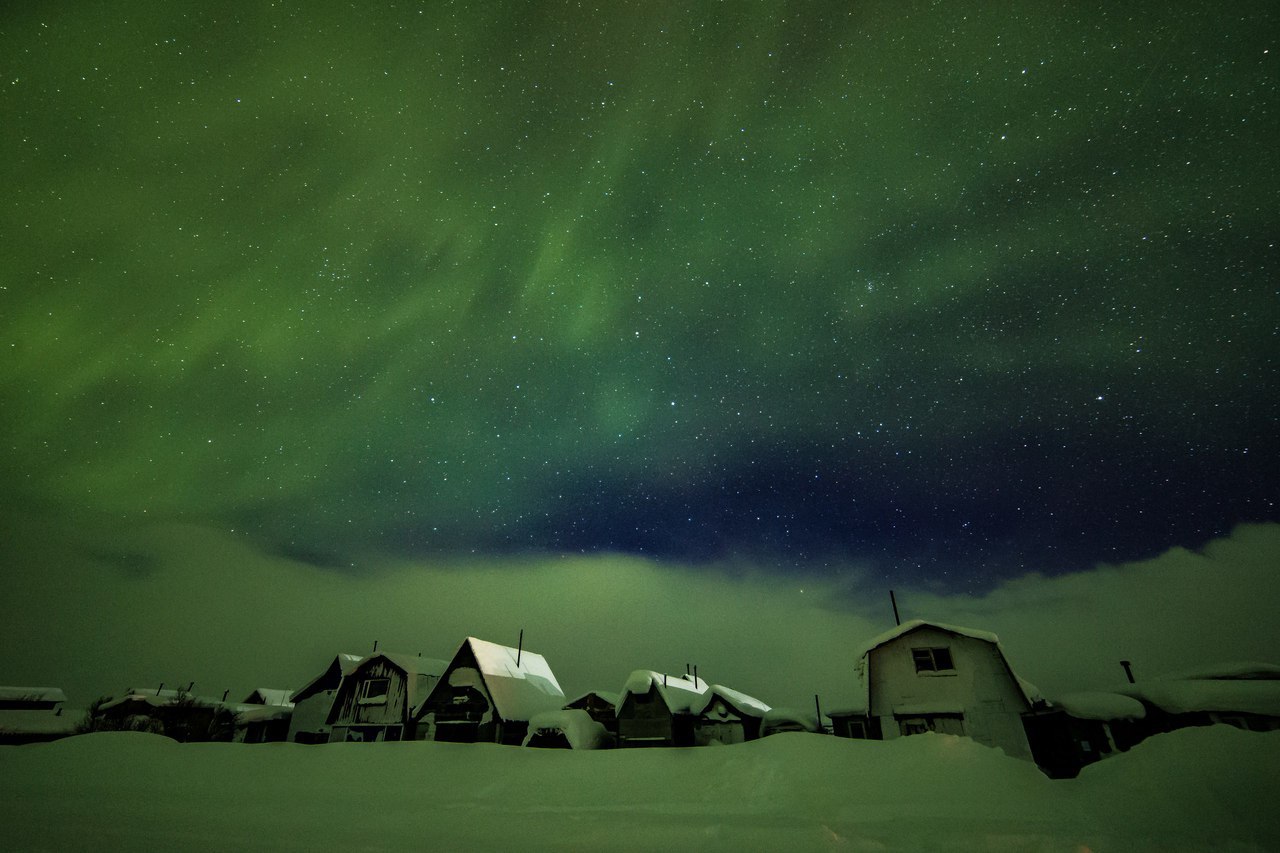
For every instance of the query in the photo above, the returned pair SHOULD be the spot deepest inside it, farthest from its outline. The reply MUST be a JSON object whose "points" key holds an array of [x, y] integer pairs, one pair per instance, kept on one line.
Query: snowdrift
{"points": [[1195, 789]]}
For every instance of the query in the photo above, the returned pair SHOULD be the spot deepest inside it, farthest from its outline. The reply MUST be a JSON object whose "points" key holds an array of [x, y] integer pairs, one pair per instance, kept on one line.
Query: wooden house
{"points": [[488, 693], [927, 677], [854, 723], [600, 705], [34, 715], [313, 701], [379, 698], [264, 716], [1078, 729], [174, 713], [723, 716], [655, 709]]}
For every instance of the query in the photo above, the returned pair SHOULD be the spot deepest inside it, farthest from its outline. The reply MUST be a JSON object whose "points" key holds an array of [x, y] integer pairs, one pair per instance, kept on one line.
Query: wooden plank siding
{"points": [[351, 709]]}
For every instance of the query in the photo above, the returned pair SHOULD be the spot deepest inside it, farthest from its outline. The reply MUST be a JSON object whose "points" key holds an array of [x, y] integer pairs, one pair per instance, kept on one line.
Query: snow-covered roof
{"points": [[745, 705], [268, 696], [776, 719], [1220, 694], [161, 698], [679, 692], [1097, 705], [1235, 670], [340, 666], [421, 674], [1029, 691], [259, 713], [579, 729], [519, 691], [606, 695], [32, 694]]}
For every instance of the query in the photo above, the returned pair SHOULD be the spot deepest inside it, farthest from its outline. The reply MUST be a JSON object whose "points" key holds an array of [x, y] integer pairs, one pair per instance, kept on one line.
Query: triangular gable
{"points": [[518, 691], [1029, 691], [678, 693], [329, 679], [741, 703]]}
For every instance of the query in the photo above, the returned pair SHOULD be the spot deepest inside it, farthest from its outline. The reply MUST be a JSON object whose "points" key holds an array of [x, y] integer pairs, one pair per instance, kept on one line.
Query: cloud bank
{"points": [[97, 610]]}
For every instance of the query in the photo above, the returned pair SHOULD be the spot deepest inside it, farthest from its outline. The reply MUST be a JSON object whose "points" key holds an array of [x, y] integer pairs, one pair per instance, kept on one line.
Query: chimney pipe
{"points": [[158, 689], [1128, 670], [817, 706], [375, 645], [894, 601], [519, 648]]}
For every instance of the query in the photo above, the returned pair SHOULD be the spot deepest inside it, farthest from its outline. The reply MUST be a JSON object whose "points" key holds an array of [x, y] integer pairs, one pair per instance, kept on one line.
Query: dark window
{"points": [[374, 691], [933, 660]]}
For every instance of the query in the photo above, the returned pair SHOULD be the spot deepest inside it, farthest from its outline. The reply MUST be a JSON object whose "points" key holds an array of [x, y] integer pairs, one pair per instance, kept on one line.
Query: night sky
{"points": [[935, 295]]}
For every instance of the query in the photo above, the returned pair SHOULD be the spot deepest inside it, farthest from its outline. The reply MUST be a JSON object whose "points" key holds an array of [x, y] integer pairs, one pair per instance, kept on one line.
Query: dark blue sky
{"points": [[945, 293]]}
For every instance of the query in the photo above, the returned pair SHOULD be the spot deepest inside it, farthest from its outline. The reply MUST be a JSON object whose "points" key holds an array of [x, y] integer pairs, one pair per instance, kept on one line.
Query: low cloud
{"points": [[214, 609]]}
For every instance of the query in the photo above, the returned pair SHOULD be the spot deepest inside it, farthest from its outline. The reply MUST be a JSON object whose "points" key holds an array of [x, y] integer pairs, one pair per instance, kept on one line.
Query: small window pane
{"points": [[942, 659]]}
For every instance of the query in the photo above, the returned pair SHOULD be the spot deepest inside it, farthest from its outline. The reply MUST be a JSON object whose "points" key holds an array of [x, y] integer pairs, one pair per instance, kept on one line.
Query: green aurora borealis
{"points": [[948, 291]]}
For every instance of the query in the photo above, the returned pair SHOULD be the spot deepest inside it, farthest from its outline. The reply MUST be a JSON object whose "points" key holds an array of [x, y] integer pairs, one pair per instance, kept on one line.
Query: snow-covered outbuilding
{"points": [[264, 716], [379, 698], [779, 720], [724, 716], [1245, 695], [1077, 729], [929, 677], [569, 728], [178, 714], [655, 709], [601, 705], [489, 693], [313, 701], [34, 714]]}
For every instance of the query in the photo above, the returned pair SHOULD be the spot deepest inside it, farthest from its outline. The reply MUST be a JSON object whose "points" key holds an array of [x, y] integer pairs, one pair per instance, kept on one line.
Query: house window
{"points": [[933, 660], [374, 691]]}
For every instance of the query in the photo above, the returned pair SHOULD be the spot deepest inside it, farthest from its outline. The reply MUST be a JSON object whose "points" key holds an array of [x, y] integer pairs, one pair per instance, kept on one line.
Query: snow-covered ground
{"points": [[1195, 789]]}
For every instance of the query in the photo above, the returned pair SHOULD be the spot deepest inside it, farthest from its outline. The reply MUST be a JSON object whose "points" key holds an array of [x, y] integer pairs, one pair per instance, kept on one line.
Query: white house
{"points": [[489, 693], [927, 677]]}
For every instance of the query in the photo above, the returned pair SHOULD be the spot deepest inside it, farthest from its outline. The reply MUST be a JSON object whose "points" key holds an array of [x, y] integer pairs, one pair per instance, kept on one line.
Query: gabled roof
{"points": [[421, 674], [1029, 691], [520, 682], [337, 668], [678, 692], [747, 706], [32, 694], [606, 696], [268, 696], [1246, 688]]}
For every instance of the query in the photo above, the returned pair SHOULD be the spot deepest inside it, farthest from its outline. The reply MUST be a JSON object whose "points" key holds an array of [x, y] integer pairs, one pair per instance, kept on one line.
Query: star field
{"points": [[946, 293]]}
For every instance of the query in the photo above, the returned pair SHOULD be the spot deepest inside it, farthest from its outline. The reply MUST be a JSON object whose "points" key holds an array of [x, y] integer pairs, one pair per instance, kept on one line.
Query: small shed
{"points": [[854, 723], [264, 716], [928, 677], [34, 715], [656, 709], [601, 705], [314, 700], [488, 693], [780, 720], [378, 699], [1078, 729], [568, 728], [724, 716]]}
